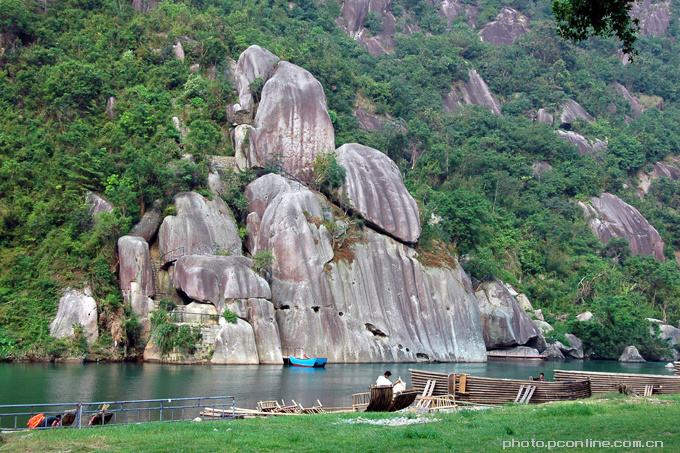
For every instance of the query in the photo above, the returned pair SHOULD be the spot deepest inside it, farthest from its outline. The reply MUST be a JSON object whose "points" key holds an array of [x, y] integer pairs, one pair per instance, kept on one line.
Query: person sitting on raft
{"points": [[384, 379]]}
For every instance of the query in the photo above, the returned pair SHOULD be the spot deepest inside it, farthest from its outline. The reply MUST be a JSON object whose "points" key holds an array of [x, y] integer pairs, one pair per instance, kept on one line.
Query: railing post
{"points": [[79, 414]]}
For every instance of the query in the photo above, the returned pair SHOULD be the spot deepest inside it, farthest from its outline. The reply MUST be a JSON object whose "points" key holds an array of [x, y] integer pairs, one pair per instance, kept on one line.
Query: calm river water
{"points": [[34, 383]]}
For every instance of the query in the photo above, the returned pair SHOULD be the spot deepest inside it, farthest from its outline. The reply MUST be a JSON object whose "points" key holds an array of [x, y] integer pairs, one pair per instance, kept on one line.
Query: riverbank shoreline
{"points": [[606, 418]]}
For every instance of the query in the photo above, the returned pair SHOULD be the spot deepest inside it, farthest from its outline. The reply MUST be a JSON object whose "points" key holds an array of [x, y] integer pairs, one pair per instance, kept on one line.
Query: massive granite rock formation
{"points": [[609, 216], [504, 323], [219, 279], [375, 189], [292, 121], [474, 92], [379, 303], [76, 307], [136, 274], [584, 145], [654, 17], [200, 226], [508, 26], [253, 63]]}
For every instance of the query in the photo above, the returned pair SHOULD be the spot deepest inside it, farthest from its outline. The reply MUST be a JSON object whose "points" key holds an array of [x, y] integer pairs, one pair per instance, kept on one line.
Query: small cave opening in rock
{"points": [[420, 357], [183, 298], [341, 313], [284, 307], [315, 308], [375, 331]]}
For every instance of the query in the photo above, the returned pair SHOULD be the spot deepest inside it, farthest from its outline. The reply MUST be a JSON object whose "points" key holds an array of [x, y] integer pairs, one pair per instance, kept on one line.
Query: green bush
{"points": [[230, 316]]}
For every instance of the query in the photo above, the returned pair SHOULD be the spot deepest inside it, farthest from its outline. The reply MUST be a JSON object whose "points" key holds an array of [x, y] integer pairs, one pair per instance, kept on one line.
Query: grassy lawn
{"points": [[610, 418]]}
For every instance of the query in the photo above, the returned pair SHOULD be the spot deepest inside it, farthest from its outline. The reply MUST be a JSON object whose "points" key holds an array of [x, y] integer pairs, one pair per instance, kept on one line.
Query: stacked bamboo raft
{"points": [[483, 390], [616, 382], [677, 368]]}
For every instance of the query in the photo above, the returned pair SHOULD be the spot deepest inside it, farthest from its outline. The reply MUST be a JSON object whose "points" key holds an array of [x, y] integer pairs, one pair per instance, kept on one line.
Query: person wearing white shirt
{"points": [[384, 379]]}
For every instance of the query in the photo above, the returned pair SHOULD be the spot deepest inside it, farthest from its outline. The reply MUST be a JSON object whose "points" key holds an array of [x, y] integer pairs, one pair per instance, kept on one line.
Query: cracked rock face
{"points": [[76, 307], [508, 26], [292, 122], [376, 190], [609, 216], [200, 226], [380, 305], [504, 323], [136, 274]]}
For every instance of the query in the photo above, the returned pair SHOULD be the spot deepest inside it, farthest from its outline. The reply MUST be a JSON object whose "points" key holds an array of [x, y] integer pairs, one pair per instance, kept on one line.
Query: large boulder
{"points": [[659, 170], [253, 63], [376, 190], [76, 307], [217, 279], [670, 335], [474, 92], [504, 323], [200, 226], [148, 225], [584, 145], [635, 107], [373, 301], [542, 116], [555, 350], [508, 26], [97, 205], [575, 348], [136, 274], [572, 110], [585, 316], [609, 216], [235, 344], [631, 355], [292, 122], [144, 5]]}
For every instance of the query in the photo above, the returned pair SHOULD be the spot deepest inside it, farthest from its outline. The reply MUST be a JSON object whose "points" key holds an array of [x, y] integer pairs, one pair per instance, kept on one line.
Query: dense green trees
{"points": [[473, 173]]}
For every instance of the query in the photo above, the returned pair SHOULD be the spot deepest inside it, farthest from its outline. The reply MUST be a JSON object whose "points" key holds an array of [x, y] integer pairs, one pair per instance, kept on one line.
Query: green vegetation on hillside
{"points": [[62, 62]]}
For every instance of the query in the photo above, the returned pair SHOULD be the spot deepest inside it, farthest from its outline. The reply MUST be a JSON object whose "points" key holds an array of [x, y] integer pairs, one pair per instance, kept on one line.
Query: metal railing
{"points": [[179, 316], [93, 414]]}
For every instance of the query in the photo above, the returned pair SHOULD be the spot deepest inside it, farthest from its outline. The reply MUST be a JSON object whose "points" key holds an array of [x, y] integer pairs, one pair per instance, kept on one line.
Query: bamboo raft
{"points": [[643, 384], [482, 390], [677, 368]]}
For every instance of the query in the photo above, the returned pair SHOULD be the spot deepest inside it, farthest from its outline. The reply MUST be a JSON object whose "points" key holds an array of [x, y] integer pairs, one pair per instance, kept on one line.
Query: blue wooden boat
{"points": [[308, 362]]}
